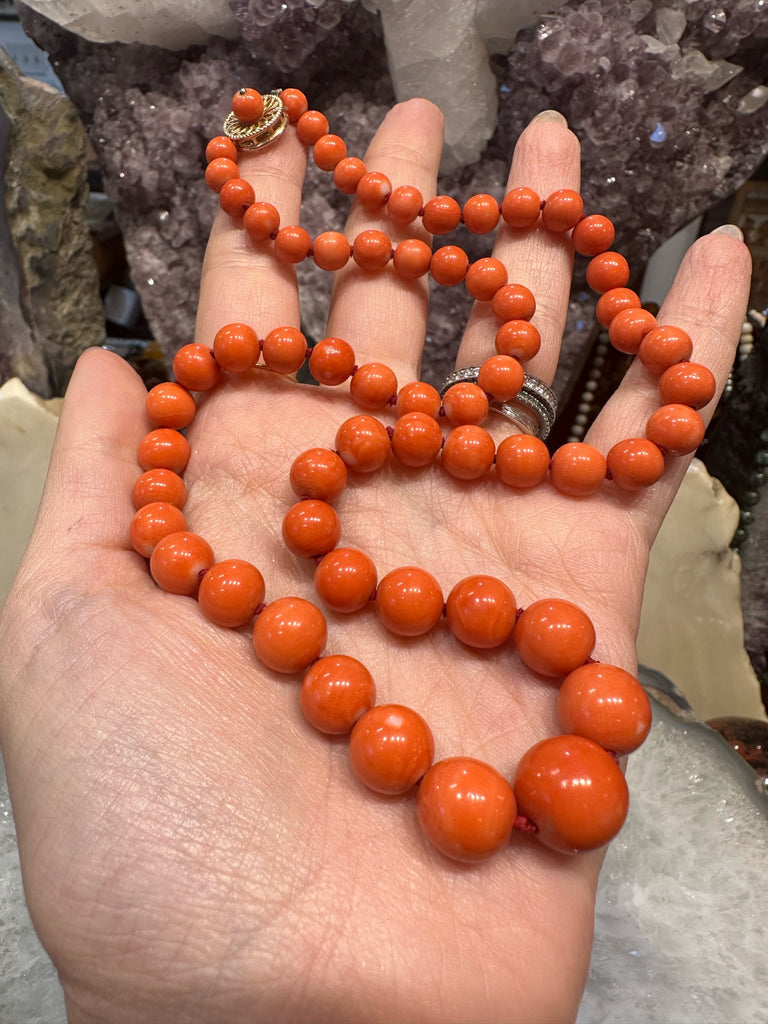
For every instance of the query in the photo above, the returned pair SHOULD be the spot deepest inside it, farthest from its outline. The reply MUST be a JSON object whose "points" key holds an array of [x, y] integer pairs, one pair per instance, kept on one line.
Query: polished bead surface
{"points": [[562, 210], [332, 361], [292, 244], [521, 207], [514, 302], [522, 461], [247, 105], [411, 259], [179, 561], [577, 469], [295, 103], [236, 347], [363, 443], [164, 449], [441, 215], [170, 405], [605, 704], [416, 439], [328, 151], [687, 384], [613, 301], [409, 601], [230, 592], [331, 250], [501, 377], [468, 452], [284, 350], [347, 174], [593, 234], [484, 278], [405, 204], [480, 213], [418, 396], [553, 637], [373, 386], [480, 611], [663, 347], [318, 473], [152, 522], [449, 265], [676, 429], [606, 271], [219, 146], [519, 339], [195, 368], [235, 196], [372, 250], [465, 403], [390, 748], [373, 190], [261, 221], [345, 580], [466, 808], [159, 485], [219, 172], [311, 528], [289, 634], [635, 463], [628, 328], [311, 126], [335, 692]]}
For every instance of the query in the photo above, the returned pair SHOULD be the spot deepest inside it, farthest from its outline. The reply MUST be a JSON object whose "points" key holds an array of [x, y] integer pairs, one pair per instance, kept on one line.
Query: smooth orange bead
{"points": [[195, 368], [514, 302], [159, 485], [372, 250], [347, 174], [311, 126], [318, 473], [628, 328], [411, 259], [247, 105], [292, 244], [562, 210], [170, 405], [295, 103], [284, 350], [311, 528], [465, 403], [179, 561], [480, 214], [466, 809], [606, 271], [593, 235], [219, 172], [677, 429], [236, 347], [687, 384], [468, 452], [577, 469], [663, 347], [484, 278], [164, 449], [518, 338], [573, 791], [481, 611], [521, 207], [235, 196], [449, 265], [612, 302], [373, 190], [418, 396], [220, 146], [328, 151], [634, 463], [605, 704], [390, 749], [501, 377], [405, 204], [230, 593], [522, 461], [336, 691], [261, 221], [331, 250], [345, 580], [332, 361], [289, 634], [152, 522], [409, 601], [416, 439], [363, 443], [441, 215], [553, 637], [373, 386]]}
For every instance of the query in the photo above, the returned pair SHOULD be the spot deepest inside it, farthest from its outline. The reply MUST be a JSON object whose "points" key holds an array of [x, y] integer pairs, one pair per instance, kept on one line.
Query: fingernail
{"points": [[731, 230], [553, 116]]}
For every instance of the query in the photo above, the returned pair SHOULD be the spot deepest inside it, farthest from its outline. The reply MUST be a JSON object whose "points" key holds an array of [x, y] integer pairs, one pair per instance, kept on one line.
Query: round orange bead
{"points": [[634, 463], [373, 386], [236, 347], [677, 429], [687, 384], [663, 347], [418, 396], [373, 190], [593, 235], [573, 791], [481, 214], [292, 244], [449, 265], [332, 361], [409, 601], [577, 469], [311, 126], [553, 637], [331, 250], [562, 210], [411, 259], [363, 443], [372, 250], [390, 749], [164, 449], [468, 452], [606, 271], [328, 151], [485, 277], [416, 439], [465, 403], [179, 561], [629, 327], [514, 302], [220, 146], [501, 377], [311, 528], [466, 809], [405, 204], [612, 302], [481, 611], [521, 207], [318, 473], [219, 172], [441, 215], [195, 368], [247, 105], [170, 405], [289, 634], [345, 580], [284, 350], [152, 522], [347, 174], [261, 221], [295, 103], [230, 593], [605, 704], [335, 693], [235, 196], [522, 461], [519, 339], [159, 485]]}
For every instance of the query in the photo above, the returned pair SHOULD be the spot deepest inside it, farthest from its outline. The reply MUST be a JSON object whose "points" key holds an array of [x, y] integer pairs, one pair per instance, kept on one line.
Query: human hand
{"points": [[192, 850]]}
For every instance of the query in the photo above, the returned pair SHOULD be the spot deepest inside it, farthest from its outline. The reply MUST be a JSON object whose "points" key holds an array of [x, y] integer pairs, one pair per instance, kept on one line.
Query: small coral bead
{"points": [[236, 347], [318, 473], [411, 259], [480, 214], [159, 485], [261, 221], [606, 271], [628, 328], [331, 250], [373, 190], [328, 151], [170, 405], [292, 244], [405, 204], [284, 349], [468, 452], [179, 561], [480, 611], [347, 174], [466, 809], [345, 580], [373, 386], [247, 105], [164, 449], [593, 235], [676, 429], [465, 403], [605, 704], [520, 208], [230, 592], [235, 197], [687, 384], [390, 748], [522, 461], [332, 361], [562, 210], [152, 522], [449, 265], [363, 443], [553, 637], [484, 278], [220, 146], [441, 215], [416, 439], [514, 302], [311, 126], [518, 338], [663, 347], [335, 692], [418, 396], [577, 469], [501, 377], [372, 250], [219, 172], [613, 301], [195, 368], [295, 103], [409, 601], [634, 463], [289, 634], [311, 528]]}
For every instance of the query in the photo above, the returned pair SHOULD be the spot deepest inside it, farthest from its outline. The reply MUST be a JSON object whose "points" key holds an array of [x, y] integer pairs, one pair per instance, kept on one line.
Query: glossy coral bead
{"points": [[332, 361], [521, 208], [606, 271], [231, 592], [236, 347], [261, 221], [612, 302], [179, 561], [284, 349], [328, 151], [311, 126], [593, 234], [676, 429], [164, 449], [318, 473], [219, 172], [687, 384], [311, 528], [331, 250], [170, 405], [441, 215], [480, 214], [465, 402], [289, 634], [519, 339], [152, 522], [553, 637], [480, 611], [372, 250], [663, 347], [484, 278], [292, 244], [247, 105], [501, 377], [345, 580], [562, 210], [195, 368], [363, 443], [295, 103], [390, 748], [159, 485], [405, 204], [466, 809], [634, 463], [373, 386], [235, 196], [347, 174], [573, 792], [628, 328], [221, 146], [577, 469], [605, 704], [335, 692], [449, 265], [514, 302], [468, 452], [411, 259], [418, 396], [409, 601], [522, 461], [416, 439], [373, 190]]}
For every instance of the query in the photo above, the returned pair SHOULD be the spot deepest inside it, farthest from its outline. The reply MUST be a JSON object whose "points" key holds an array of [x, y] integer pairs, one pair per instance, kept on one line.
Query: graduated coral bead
{"points": [[553, 637], [390, 748], [289, 634], [409, 601]]}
